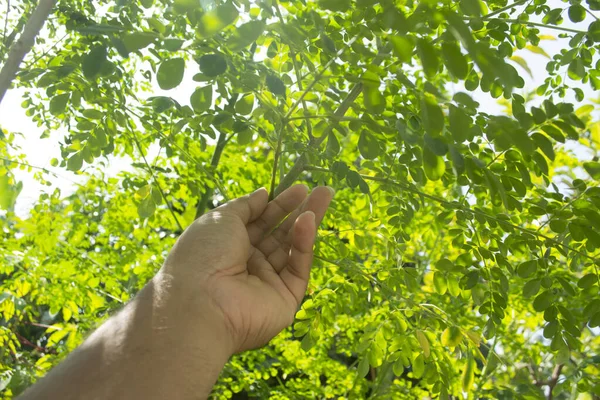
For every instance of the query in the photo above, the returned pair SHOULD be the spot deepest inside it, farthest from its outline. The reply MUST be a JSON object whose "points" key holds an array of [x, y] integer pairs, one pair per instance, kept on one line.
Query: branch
{"points": [[139, 146], [554, 379], [216, 157], [24, 44], [301, 161], [501, 10], [456, 205], [558, 28]]}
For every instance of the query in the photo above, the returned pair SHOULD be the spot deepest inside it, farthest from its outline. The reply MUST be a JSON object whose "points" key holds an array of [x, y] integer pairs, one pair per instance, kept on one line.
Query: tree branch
{"points": [[456, 205], [216, 157], [24, 44], [301, 161]]}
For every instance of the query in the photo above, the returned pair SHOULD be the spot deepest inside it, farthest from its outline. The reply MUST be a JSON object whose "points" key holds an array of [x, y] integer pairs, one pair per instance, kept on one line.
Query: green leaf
{"points": [[170, 73], [58, 104], [594, 31], [8, 193], [460, 124], [454, 59], [576, 13], [576, 70], [75, 162], [418, 366], [592, 168], [138, 40], [543, 301], [335, 5], [468, 375], [531, 288], [275, 85], [452, 336], [587, 281], [147, 207], [93, 114], [434, 165], [201, 99], [92, 62], [333, 146], [403, 47], [470, 7], [245, 105], [363, 367], [245, 35], [429, 57], [528, 268], [373, 100], [212, 65], [439, 283], [432, 115], [368, 146], [214, 21], [424, 342]]}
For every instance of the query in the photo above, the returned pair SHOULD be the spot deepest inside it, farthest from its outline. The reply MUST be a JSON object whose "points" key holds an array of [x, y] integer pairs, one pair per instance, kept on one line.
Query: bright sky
{"points": [[39, 152]]}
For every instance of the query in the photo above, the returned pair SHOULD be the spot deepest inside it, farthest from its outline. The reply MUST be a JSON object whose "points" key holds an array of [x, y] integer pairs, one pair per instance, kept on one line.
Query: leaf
{"points": [[146, 207], [424, 342], [543, 301], [363, 367], [460, 124], [333, 146], [528, 268], [468, 375], [418, 366], [138, 40], [245, 35], [275, 85], [434, 165], [576, 13], [454, 59], [587, 281], [439, 283], [471, 7], [372, 98], [594, 31], [576, 70], [212, 65], [214, 21], [58, 104], [522, 63], [334, 5], [592, 168], [75, 162], [429, 58], [537, 50], [452, 336], [245, 105], [403, 47], [368, 145], [91, 65], [432, 115], [170, 73], [93, 114], [201, 99]]}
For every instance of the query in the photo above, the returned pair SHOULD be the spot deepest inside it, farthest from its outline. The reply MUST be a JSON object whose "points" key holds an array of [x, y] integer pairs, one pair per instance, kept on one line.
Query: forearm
{"points": [[146, 351]]}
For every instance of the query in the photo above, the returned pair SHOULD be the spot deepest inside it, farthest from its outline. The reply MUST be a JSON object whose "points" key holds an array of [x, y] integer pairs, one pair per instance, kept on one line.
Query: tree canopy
{"points": [[460, 255]]}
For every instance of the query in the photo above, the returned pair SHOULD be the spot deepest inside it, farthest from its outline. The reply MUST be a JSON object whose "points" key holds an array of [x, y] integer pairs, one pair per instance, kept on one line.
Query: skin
{"points": [[233, 281]]}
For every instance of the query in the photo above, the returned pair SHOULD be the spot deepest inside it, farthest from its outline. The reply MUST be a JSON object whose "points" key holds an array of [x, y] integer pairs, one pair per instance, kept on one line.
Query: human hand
{"points": [[242, 266]]}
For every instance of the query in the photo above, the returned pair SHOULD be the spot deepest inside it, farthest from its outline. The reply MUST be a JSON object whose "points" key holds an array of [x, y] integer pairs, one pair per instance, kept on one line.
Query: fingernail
{"points": [[332, 190], [312, 215]]}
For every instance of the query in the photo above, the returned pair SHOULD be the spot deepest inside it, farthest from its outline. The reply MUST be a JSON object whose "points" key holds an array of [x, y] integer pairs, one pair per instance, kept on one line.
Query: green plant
{"points": [[460, 255]]}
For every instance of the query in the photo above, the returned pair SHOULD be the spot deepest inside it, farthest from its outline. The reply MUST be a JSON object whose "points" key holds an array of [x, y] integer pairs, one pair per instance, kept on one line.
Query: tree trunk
{"points": [[24, 44]]}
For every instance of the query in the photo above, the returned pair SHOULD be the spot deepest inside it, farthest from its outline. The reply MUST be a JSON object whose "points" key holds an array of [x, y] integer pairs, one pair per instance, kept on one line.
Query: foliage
{"points": [[459, 257]]}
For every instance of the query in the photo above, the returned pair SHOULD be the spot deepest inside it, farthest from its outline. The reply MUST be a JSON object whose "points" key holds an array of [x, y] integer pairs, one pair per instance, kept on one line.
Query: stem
{"points": [[301, 161], [452, 205], [139, 146], [558, 28], [276, 160], [501, 10], [296, 71], [554, 380], [24, 44], [216, 157]]}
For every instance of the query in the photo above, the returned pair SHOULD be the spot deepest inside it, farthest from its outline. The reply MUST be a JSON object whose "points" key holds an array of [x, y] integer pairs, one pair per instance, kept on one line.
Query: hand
{"points": [[240, 264]]}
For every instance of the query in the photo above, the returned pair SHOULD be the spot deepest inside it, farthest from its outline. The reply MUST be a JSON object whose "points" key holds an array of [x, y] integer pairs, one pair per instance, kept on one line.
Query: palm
{"points": [[263, 277]]}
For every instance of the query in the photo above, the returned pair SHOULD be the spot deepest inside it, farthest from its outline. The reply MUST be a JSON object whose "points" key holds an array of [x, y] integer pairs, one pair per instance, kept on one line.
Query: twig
{"points": [[296, 70], [589, 12], [301, 161], [24, 44], [501, 10], [216, 157], [169, 206], [455, 205], [555, 27]]}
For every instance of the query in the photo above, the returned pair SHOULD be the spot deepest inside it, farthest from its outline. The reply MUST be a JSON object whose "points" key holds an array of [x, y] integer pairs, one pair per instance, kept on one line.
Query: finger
{"points": [[297, 271], [248, 207], [276, 211], [276, 246]]}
